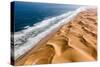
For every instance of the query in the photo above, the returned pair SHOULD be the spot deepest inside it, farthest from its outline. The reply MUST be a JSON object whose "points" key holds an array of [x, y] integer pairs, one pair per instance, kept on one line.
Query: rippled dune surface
{"points": [[73, 42]]}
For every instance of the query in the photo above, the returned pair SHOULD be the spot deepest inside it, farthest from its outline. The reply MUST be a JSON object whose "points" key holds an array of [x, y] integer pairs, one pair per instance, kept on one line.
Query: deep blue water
{"points": [[27, 13]]}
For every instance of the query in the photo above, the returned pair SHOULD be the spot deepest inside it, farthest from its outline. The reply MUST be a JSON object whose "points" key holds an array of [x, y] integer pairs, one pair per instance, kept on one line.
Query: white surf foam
{"points": [[26, 39]]}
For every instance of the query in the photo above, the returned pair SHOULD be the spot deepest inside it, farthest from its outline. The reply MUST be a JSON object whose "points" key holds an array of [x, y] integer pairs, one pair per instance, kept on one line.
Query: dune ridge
{"points": [[74, 42]]}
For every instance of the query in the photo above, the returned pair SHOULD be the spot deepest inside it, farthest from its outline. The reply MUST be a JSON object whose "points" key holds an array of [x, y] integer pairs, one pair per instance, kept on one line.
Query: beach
{"points": [[75, 41]]}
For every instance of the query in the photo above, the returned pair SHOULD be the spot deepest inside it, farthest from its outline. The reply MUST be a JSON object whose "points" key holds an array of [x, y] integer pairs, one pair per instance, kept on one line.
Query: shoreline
{"points": [[66, 18], [70, 40], [39, 44]]}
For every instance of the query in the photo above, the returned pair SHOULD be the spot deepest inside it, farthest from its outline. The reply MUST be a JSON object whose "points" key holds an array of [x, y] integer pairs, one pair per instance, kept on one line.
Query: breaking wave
{"points": [[25, 39]]}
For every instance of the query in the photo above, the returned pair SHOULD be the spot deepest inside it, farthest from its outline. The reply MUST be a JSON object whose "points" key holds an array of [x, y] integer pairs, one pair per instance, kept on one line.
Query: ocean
{"points": [[34, 21], [27, 13]]}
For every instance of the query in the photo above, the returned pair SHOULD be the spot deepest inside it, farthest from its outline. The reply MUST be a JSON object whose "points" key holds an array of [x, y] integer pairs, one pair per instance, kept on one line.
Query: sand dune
{"points": [[74, 42]]}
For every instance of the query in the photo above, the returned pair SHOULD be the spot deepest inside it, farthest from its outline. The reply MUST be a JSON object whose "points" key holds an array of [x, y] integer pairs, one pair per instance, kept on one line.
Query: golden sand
{"points": [[74, 42]]}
